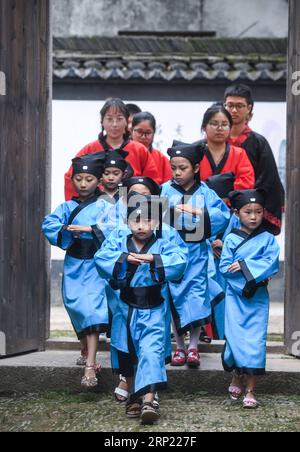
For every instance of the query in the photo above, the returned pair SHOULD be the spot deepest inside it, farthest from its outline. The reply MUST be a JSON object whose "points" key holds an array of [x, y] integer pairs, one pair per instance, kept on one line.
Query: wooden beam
{"points": [[292, 313], [25, 56]]}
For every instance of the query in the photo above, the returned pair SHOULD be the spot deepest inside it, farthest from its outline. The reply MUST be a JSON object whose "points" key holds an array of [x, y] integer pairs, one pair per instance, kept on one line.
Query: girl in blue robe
{"points": [[217, 282], [73, 227], [198, 214], [140, 264], [249, 259]]}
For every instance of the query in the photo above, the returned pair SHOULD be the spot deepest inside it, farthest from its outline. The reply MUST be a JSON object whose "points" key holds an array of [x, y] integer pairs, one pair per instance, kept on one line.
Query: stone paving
{"points": [[180, 412]]}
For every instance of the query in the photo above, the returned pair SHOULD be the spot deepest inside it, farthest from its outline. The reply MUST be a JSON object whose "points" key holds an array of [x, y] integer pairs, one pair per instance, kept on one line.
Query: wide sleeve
{"points": [[111, 260], [236, 280], [263, 265], [227, 258], [245, 175], [54, 228], [170, 264]]}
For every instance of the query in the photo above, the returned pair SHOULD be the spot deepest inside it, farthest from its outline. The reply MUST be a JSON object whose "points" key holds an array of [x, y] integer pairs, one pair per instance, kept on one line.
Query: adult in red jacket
{"points": [[115, 135], [224, 167], [143, 131]]}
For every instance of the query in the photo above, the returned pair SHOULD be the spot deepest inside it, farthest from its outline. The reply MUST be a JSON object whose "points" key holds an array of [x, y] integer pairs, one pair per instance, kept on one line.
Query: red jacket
{"points": [[163, 166], [235, 161], [139, 158]]}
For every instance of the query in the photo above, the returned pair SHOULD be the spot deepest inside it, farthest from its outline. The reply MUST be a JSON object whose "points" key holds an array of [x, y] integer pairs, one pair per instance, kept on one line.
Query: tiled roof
{"points": [[170, 59]]}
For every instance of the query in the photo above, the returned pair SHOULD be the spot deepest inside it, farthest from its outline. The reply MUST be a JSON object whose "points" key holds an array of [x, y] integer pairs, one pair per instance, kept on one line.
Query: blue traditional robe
{"points": [[141, 321], [247, 299], [217, 284], [190, 298], [114, 221], [83, 290]]}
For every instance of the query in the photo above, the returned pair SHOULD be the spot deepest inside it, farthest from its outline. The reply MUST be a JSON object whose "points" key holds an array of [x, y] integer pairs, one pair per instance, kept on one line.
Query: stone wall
{"points": [[230, 18]]}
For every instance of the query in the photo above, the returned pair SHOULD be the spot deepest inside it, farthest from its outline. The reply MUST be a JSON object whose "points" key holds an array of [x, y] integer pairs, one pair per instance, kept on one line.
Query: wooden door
{"points": [[25, 94]]}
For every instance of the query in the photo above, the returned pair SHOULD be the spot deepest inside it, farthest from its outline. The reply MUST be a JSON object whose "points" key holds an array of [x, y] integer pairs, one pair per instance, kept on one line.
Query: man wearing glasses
{"points": [[239, 102]]}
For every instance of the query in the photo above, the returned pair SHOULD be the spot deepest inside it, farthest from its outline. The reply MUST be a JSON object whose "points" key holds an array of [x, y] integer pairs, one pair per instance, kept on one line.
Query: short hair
{"points": [[212, 111], [133, 109], [144, 116], [240, 91]]}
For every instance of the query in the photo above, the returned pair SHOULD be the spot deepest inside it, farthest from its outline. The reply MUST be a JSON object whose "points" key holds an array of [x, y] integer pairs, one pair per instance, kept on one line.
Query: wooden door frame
{"points": [[292, 254]]}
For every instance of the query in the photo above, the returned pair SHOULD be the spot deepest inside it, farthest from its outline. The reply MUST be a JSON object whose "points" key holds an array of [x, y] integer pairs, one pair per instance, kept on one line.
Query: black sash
{"points": [[137, 297], [142, 297], [83, 249]]}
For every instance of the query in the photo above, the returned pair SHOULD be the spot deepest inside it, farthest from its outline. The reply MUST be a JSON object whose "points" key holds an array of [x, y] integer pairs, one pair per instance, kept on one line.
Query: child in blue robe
{"points": [[73, 227], [198, 214], [139, 264], [115, 172], [115, 220], [217, 283], [249, 259], [131, 189]]}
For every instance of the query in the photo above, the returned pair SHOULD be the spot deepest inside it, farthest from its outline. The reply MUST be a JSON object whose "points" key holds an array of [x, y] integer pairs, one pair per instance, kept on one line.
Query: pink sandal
{"points": [[234, 392], [250, 404]]}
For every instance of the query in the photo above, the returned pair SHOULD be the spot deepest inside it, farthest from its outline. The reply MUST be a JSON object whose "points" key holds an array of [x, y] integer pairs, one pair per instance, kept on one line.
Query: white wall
{"points": [[76, 123], [229, 18]]}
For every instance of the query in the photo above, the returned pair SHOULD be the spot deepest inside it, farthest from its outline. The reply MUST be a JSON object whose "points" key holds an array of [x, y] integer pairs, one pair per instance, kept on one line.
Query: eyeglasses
{"points": [[218, 125], [116, 120], [237, 107], [142, 133]]}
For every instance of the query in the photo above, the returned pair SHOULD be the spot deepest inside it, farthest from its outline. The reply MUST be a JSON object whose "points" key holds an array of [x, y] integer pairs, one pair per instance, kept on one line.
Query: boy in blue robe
{"points": [[116, 219], [249, 259], [73, 227], [198, 214], [115, 172], [139, 264]]}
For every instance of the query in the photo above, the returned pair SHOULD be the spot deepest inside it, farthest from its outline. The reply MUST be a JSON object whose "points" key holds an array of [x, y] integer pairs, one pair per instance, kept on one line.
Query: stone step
{"points": [[56, 371], [71, 344]]}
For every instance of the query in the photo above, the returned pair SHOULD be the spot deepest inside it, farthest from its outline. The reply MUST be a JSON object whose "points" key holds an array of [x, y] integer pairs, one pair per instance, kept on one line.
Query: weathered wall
{"points": [[229, 18]]}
